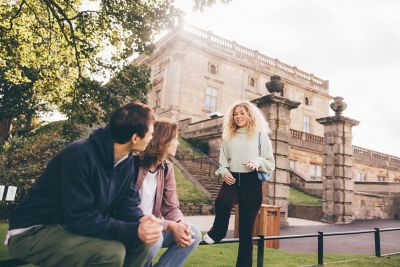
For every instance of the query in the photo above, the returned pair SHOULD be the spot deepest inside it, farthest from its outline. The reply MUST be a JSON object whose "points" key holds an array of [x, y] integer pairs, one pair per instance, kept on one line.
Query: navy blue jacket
{"points": [[77, 189]]}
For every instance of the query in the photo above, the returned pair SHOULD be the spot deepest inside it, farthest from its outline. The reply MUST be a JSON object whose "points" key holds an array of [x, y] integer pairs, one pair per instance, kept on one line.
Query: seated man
{"points": [[83, 210]]}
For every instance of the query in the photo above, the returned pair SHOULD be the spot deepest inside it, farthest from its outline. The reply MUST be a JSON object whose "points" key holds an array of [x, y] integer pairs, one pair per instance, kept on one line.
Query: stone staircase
{"points": [[204, 173], [202, 168]]}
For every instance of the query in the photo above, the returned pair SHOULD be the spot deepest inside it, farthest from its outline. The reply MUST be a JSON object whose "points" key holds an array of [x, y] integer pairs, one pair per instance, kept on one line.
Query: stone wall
{"points": [[373, 206], [313, 188], [313, 213], [189, 209]]}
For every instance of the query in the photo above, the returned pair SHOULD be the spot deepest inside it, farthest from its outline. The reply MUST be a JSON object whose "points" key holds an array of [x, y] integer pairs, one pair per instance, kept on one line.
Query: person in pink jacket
{"points": [[157, 188]]}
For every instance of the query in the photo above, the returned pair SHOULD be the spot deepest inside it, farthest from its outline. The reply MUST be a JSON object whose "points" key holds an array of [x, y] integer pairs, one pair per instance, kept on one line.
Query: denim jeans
{"points": [[174, 256]]}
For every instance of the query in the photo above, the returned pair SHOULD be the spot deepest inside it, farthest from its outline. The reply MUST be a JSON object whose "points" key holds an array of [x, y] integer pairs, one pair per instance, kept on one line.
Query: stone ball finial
{"points": [[338, 105], [275, 85]]}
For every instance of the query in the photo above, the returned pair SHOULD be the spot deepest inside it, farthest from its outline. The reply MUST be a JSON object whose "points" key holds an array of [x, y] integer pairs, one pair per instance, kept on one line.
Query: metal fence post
{"points": [[320, 248], [260, 251], [377, 242]]}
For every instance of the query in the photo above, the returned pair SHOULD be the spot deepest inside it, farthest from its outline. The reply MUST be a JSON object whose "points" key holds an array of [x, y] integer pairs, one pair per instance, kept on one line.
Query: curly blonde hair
{"points": [[257, 122]]}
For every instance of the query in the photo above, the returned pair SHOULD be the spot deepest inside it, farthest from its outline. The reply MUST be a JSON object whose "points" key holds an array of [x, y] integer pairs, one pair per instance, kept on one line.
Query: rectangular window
{"points": [[361, 177], [157, 102], [306, 124], [381, 178], [210, 102], [292, 165], [315, 172]]}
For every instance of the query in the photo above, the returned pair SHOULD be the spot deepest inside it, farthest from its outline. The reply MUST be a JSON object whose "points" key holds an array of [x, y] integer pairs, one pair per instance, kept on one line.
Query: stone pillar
{"points": [[338, 181], [276, 110]]}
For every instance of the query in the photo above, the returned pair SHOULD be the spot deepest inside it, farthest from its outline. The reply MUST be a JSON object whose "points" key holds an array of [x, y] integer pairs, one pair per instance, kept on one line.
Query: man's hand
{"points": [[182, 233], [228, 178], [150, 229]]}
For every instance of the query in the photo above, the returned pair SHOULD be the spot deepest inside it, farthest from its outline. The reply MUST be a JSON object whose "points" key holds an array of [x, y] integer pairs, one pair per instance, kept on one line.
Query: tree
{"points": [[17, 101], [61, 41]]}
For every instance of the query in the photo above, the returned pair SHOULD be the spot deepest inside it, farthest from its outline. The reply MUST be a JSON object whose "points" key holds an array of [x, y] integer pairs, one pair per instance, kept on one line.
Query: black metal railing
{"points": [[200, 157], [320, 237], [261, 238]]}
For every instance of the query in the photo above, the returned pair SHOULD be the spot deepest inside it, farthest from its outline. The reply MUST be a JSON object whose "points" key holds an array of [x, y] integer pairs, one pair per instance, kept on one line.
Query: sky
{"points": [[355, 44]]}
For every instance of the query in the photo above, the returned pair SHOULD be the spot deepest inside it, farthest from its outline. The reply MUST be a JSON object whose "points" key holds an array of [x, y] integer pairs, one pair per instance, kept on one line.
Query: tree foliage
{"points": [[61, 41]]}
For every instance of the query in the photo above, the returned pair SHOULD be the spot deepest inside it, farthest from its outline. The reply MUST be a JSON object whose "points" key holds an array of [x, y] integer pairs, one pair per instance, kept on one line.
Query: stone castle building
{"points": [[197, 75]]}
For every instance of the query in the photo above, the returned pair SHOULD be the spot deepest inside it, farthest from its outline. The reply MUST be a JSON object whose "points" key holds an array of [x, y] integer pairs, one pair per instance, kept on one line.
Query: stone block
{"points": [[342, 159], [329, 195], [282, 134], [328, 184], [282, 162], [328, 170], [327, 207], [338, 208], [348, 209], [329, 140], [281, 176], [282, 148], [338, 171], [349, 184], [329, 159], [328, 150], [281, 191]]}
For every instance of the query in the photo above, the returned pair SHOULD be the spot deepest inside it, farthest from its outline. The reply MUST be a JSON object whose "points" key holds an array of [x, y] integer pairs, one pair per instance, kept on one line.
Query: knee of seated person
{"points": [[196, 234], [114, 251], [157, 245]]}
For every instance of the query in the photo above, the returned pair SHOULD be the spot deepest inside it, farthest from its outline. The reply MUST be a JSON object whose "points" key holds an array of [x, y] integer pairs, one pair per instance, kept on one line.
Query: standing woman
{"points": [[244, 128], [157, 188]]}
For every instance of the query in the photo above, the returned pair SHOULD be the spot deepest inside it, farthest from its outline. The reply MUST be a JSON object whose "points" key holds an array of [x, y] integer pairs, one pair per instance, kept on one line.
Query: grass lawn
{"points": [[187, 191], [225, 255], [297, 197], [187, 148]]}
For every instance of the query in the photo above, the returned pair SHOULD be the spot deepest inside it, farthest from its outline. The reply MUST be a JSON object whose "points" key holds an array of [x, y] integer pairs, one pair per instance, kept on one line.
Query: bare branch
{"points": [[15, 16]]}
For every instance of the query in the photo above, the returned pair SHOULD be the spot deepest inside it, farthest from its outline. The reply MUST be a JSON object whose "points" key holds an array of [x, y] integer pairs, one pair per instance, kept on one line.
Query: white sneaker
{"points": [[208, 239]]}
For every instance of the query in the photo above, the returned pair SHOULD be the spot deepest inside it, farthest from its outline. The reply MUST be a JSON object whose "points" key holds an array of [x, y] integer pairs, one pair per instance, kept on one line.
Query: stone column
{"points": [[276, 110], [338, 181]]}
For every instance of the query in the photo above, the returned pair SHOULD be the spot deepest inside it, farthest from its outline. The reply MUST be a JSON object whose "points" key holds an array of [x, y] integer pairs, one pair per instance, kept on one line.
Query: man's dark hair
{"points": [[132, 118]]}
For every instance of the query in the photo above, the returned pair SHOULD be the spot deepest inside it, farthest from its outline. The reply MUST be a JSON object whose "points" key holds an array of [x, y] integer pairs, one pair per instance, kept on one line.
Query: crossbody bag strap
{"points": [[259, 144]]}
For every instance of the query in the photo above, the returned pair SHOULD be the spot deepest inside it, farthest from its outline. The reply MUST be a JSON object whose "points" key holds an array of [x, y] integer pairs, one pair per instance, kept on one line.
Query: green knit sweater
{"points": [[242, 148]]}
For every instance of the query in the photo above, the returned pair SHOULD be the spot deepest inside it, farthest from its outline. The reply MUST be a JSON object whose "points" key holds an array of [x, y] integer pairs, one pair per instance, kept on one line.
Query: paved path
{"points": [[350, 244]]}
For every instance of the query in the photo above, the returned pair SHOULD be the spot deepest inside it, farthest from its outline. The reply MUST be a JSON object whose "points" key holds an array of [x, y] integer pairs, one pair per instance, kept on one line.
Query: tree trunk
{"points": [[4, 129]]}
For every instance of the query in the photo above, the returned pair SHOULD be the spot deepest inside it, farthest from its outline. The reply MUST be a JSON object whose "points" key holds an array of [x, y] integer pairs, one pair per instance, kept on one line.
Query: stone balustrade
{"points": [[254, 54], [375, 158]]}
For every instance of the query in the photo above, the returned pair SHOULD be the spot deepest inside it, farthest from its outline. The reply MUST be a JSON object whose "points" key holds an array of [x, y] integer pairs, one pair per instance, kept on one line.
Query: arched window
{"points": [[213, 69], [306, 101], [252, 82]]}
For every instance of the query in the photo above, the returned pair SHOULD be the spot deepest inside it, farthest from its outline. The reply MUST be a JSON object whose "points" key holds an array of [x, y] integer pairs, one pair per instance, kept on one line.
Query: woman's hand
{"points": [[228, 178], [182, 233], [251, 165]]}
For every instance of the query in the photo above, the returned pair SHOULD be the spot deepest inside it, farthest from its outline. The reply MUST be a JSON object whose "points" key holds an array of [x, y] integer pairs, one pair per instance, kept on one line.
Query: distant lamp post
{"points": [[338, 105], [275, 85]]}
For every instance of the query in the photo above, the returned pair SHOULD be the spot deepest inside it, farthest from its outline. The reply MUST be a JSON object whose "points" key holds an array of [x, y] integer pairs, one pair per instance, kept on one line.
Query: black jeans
{"points": [[247, 191]]}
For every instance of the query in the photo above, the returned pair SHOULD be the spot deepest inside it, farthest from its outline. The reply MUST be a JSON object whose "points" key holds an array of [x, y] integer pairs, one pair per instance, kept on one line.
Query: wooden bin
{"points": [[267, 223]]}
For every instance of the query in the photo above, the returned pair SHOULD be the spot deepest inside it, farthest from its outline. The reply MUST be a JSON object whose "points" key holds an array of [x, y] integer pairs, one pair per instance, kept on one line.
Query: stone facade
{"points": [[338, 183], [373, 206], [196, 73]]}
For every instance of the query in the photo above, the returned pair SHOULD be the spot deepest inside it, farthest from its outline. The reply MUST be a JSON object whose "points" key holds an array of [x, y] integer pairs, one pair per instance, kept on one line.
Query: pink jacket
{"points": [[166, 204]]}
